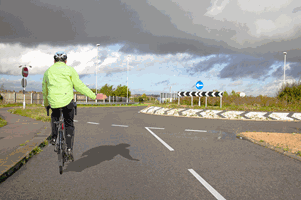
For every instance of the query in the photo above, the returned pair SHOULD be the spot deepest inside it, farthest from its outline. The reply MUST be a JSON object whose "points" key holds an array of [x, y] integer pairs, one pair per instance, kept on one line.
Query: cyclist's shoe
{"points": [[70, 154], [53, 141]]}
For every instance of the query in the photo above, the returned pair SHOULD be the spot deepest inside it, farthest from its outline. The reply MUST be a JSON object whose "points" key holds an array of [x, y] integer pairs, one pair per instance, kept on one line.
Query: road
{"points": [[123, 154]]}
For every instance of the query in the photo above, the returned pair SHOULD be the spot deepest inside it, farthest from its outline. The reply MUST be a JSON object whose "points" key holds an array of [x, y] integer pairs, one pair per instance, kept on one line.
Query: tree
{"points": [[107, 90], [121, 91], [144, 96], [2, 88]]}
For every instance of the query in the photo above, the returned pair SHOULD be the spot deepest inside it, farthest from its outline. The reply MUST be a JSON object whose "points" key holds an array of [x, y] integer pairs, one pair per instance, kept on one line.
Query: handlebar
{"points": [[75, 108]]}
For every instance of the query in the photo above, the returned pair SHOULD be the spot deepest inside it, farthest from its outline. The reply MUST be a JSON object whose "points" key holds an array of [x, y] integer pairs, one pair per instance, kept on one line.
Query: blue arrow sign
{"points": [[199, 85]]}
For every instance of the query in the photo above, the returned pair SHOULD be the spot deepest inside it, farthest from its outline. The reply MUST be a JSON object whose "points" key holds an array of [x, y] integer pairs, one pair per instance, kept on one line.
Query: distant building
{"points": [[241, 94]]}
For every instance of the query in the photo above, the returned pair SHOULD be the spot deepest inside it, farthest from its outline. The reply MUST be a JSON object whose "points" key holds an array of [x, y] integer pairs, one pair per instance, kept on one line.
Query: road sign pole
{"points": [[24, 97], [199, 101]]}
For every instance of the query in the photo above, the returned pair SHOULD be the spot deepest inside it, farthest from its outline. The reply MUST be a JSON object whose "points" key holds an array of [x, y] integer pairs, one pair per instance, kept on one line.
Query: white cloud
{"points": [[260, 6], [270, 28], [217, 9]]}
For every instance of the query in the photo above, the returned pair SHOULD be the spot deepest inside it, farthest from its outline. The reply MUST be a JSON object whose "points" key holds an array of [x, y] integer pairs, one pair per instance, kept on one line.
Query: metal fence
{"points": [[168, 96], [37, 98]]}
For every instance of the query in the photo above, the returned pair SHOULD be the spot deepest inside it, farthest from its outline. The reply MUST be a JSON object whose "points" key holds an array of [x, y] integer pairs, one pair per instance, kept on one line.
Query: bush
{"points": [[140, 100]]}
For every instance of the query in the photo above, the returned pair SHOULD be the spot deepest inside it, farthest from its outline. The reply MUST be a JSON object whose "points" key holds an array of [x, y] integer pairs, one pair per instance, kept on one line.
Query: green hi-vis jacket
{"points": [[58, 83]]}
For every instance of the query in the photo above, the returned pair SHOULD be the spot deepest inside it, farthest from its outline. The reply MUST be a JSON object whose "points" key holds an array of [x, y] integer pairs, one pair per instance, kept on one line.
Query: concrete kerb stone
{"points": [[22, 154], [199, 116]]}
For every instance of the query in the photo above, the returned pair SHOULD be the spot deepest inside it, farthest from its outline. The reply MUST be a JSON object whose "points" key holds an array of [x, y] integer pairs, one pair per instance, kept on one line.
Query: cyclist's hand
{"points": [[99, 96]]}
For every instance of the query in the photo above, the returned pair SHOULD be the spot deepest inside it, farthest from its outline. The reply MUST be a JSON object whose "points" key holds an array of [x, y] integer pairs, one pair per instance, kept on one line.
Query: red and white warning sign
{"points": [[24, 71]]}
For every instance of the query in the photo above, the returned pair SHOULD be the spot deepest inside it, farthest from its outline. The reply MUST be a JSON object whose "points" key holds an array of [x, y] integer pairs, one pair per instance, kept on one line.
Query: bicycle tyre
{"points": [[61, 169], [60, 153]]}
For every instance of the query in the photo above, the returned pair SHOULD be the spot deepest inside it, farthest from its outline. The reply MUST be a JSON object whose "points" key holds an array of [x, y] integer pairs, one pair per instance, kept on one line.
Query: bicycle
{"points": [[61, 146]]}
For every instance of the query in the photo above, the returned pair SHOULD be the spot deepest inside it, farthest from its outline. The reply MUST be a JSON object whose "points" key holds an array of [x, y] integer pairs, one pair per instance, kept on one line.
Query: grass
{"points": [[230, 103], [38, 111]]}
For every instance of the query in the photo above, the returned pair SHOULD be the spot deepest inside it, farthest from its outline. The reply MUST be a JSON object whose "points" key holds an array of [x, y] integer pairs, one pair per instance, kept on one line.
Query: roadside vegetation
{"points": [[287, 99]]}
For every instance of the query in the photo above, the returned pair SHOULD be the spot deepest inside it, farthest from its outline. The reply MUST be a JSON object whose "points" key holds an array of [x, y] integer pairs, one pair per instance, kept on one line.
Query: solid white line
{"points": [[195, 130], [211, 189], [120, 125], [92, 123], [165, 144], [75, 120], [155, 128]]}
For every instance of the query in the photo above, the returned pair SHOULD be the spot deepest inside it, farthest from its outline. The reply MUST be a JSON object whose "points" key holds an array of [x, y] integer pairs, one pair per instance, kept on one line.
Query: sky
{"points": [[228, 45]]}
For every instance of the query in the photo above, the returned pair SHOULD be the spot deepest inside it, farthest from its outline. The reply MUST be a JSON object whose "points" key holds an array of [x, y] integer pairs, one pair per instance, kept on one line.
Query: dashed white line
{"points": [[195, 130], [211, 189], [120, 125], [164, 143], [154, 128], [92, 123]]}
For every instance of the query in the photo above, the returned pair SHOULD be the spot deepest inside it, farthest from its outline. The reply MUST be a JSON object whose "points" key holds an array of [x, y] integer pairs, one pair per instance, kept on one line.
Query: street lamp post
{"points": [[96, 68], [127, 96], [284, 66], [170, 95]]}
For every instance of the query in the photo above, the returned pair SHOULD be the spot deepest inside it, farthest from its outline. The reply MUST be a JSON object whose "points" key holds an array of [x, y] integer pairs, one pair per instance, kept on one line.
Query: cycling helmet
{"points": [[60, 56]]}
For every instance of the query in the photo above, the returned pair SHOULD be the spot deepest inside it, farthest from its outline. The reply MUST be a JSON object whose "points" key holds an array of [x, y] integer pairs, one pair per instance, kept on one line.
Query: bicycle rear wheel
{"points": [[61, 152]]}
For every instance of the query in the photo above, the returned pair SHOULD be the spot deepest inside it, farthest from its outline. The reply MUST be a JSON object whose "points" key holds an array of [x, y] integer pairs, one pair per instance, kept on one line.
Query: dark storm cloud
{"points": [[158, 27], [294, 70], [236, 66], [140, 27], [296, 9], [166, 82]]}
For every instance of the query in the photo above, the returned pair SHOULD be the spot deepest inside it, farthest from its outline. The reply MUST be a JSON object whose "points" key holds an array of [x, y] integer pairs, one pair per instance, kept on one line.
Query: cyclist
{"points": [[58, 84]]}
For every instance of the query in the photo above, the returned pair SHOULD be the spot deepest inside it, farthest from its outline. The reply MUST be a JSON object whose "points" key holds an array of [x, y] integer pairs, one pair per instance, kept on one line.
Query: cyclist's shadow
{"points": [[97, 155]]}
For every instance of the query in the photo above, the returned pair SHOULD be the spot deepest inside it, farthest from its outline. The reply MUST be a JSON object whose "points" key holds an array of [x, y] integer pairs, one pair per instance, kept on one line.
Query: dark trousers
{"points": [[68, 113]]}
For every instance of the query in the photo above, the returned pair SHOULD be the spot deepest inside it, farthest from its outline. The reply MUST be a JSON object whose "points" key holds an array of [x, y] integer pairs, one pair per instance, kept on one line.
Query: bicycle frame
{"points": [[61, 139]]}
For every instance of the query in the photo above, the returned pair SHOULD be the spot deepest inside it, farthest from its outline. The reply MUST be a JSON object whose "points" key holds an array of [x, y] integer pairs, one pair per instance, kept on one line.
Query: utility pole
{"points": [[284, 66], [96, 69]]}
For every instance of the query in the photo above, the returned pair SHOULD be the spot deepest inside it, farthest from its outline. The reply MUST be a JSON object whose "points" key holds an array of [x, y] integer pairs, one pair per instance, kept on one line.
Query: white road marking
{"points": [[164, 143], [75, 120], [195, 130], [155, 128], [92, 123], [120, 125], [211, 189]]}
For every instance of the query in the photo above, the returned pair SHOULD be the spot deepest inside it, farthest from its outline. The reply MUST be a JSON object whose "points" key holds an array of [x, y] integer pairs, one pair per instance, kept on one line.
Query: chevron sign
{"points": [[200, 94]]}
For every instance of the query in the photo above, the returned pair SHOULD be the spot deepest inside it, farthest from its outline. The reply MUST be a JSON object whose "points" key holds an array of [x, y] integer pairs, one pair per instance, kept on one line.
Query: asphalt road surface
{"points": [[123, 154]]}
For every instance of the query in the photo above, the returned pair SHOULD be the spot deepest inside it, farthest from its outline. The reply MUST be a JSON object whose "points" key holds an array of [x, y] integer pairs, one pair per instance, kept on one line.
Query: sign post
{"points": [[24, 82], [199, 85]]}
